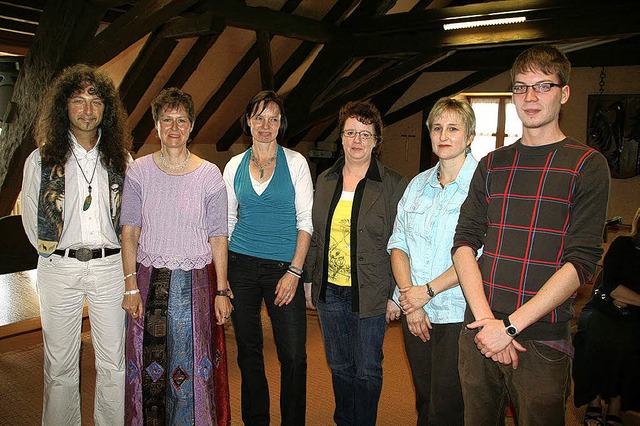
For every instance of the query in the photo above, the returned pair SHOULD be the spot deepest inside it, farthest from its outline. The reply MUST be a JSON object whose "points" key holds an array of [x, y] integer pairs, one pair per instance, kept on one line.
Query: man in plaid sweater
{"points": [[537, 208]]}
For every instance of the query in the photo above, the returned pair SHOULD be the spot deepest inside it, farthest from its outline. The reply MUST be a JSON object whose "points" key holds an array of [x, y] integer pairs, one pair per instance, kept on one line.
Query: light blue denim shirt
{"points": [[424, 229]]}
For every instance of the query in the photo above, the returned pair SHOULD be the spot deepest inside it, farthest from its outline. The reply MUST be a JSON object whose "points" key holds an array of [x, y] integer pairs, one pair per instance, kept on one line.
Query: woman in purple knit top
{"points": [[174, 251]]}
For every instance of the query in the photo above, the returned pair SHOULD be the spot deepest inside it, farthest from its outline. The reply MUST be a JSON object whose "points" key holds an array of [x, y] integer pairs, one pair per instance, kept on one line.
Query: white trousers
{"points": [[63, 284]]}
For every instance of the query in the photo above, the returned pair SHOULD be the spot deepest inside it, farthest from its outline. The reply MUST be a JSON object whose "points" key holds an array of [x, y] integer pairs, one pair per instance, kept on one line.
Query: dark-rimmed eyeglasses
{"points": [[520, 89], [364, 135]]}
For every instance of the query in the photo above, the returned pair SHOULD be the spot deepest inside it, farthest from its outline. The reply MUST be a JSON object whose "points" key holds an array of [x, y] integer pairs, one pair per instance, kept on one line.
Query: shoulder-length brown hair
{"points": [[52, 124]]}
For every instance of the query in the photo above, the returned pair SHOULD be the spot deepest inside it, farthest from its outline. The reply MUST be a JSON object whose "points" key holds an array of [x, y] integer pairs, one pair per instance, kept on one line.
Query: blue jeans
{"points": [[354, 353], [538, 388], [252, 281]]}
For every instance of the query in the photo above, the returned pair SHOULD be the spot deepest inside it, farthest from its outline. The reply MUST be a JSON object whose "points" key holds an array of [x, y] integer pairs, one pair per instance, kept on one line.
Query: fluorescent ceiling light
{"points": [[484, 23]]}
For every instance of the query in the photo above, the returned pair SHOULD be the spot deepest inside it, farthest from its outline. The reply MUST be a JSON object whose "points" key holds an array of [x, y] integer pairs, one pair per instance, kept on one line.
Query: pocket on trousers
{"points": [[547, 353]]}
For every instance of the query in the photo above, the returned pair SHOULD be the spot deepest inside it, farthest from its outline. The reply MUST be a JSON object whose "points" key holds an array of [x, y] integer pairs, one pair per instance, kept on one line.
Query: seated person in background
{"points": [[607, 358]]}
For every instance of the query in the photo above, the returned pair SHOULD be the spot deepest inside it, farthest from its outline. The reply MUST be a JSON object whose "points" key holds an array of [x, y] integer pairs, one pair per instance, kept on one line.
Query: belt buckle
{"points": [[84, 254]]}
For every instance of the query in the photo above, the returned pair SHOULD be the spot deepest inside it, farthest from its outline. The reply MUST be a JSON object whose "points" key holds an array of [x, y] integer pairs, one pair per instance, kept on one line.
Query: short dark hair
{"points": [[265, 97], [172, 99], [366, 113], [543, 58]]}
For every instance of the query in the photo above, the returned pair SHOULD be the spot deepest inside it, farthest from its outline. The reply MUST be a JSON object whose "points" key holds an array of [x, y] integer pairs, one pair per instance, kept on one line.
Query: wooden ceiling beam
{"points": [[144, 17], [416, 20], [205, 23], [275, 22], [233, 78], [16, 44], [178, 79], [381, 82], [263, 40], [334, 15], [463, 84], [155, 52], [619, 19]]}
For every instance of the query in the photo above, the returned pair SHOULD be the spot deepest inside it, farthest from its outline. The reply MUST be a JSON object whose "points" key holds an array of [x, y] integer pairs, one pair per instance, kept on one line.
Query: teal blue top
{"points": [[266, 226]]}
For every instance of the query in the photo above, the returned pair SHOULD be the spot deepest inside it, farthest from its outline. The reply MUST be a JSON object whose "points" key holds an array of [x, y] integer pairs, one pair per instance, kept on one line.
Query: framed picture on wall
{"points": [[614, 129]]}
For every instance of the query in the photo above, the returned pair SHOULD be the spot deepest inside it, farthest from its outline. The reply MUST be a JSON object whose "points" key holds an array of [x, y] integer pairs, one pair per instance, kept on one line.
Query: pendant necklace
{"points": [[87, 201], [261, 168], [174, 167]]}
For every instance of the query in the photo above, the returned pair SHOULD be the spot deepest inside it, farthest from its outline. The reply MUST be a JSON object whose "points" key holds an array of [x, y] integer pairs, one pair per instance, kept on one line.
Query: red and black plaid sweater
{"points": [[533, 209]]}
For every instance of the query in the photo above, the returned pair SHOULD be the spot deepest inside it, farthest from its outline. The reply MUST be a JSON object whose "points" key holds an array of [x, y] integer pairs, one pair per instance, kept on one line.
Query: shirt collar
{"points": [[79, 151], [373, 173], [464, 175]]}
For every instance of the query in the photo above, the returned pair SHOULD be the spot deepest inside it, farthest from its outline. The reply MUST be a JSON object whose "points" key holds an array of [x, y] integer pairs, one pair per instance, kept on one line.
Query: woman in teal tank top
{"points": [[270, 195]]}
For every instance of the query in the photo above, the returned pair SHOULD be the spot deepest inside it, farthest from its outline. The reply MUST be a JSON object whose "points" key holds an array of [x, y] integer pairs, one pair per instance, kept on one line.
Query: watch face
{"points": [[512, 331]]}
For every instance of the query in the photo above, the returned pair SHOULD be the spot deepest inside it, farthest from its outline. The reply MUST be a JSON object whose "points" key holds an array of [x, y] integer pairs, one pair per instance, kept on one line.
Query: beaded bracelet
{"points": [[295, 269], [130, 292], [298, 276]]}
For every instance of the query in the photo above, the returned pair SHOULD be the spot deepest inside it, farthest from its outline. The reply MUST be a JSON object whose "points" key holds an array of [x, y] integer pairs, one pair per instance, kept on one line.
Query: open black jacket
{"points": [[374, 211]]}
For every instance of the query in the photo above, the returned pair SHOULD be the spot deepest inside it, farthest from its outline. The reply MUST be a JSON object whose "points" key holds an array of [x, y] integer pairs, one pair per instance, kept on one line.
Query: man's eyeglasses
{"points": [[364, 135], [520, 89]]}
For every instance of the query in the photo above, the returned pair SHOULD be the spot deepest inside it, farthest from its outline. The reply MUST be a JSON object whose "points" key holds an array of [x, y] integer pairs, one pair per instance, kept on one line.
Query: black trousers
{"points": [[253, 281], [434, 368]]}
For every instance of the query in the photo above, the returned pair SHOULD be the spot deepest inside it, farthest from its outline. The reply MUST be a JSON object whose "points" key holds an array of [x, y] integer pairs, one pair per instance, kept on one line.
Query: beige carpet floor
{"points": [[21, 383]]}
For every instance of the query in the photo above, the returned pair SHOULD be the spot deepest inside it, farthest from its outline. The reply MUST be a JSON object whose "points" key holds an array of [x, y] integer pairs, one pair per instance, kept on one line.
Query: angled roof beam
{"points": [[177, 79], [296, 59], [233, 78], [144, 69], [427, 101], [364, 91], [143, 18], [275, 22]]}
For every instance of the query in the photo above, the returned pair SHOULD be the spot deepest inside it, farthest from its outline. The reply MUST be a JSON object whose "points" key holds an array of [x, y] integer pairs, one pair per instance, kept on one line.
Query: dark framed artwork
{"points": [[614, 130]]}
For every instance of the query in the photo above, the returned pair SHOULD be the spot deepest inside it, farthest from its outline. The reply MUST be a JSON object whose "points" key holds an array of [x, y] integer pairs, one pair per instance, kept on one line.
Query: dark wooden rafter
{"points": [[332, 61], [144, 17], [233, 79], [200, 25], [427, 102], [64, 27], [263, 40], [334, 15], [144, 69], [552, 23], [275, 22], [379, 83], [177, 79]]}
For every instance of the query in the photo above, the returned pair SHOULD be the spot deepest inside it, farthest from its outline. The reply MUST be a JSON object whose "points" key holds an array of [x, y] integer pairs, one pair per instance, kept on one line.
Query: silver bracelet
{"points": [[130, 292], [289, 271], [130, 275]]}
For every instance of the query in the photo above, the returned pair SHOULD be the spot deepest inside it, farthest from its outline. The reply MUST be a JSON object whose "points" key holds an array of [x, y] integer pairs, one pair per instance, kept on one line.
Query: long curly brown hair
{"points": [[52, 124]]}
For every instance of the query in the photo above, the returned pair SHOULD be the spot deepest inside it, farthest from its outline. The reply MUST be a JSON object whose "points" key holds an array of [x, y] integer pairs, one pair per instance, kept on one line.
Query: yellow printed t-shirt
{"points": [[339, 265]]}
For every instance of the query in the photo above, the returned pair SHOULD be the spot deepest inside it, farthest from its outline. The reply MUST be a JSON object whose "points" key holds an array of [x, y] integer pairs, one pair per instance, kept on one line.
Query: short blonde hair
{"points": [[457, 106]]}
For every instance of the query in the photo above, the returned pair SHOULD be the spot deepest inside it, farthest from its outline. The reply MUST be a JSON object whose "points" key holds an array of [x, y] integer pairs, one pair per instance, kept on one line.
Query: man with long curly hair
{"points": [[71, 195]]}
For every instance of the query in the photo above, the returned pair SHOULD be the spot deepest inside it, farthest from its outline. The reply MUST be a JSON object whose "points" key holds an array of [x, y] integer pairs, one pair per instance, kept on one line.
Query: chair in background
{"points": [[16, 252]]}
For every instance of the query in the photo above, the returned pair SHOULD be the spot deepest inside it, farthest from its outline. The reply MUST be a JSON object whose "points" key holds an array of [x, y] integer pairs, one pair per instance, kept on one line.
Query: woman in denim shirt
{"points": [[420, 246]]}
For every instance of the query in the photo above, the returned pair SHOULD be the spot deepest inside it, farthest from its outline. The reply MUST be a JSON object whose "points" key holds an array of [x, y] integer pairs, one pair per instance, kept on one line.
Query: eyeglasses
{"points": [[520, 89], [364, 135]]}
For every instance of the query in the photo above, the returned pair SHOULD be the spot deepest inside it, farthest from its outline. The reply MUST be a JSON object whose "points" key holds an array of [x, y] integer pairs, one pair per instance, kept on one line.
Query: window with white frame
{"points": [[497, 123]]}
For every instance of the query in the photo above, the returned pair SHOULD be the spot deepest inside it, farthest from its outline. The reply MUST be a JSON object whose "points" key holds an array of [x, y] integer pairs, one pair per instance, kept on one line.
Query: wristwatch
{"points": [[510, 329], [226, 292], [430, 291]]}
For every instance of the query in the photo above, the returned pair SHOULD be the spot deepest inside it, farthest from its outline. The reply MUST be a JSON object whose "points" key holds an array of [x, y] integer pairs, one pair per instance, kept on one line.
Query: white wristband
{"points": [[130, 292]]}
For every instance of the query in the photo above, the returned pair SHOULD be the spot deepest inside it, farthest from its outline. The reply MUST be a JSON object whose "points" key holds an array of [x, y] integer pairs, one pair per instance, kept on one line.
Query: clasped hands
{"points": [[493, 342]]}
